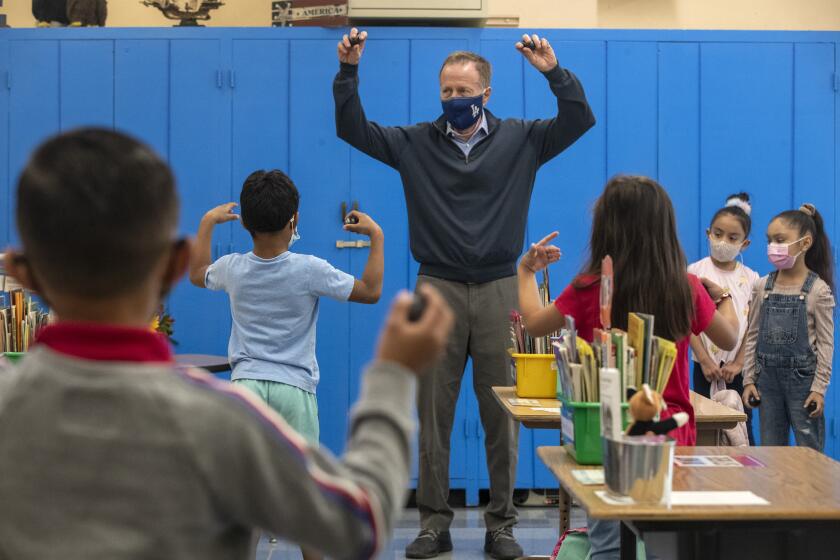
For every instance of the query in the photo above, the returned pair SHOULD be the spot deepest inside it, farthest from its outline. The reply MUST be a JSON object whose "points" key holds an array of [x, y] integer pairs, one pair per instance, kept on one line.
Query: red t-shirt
{"points": [[583, 303]]}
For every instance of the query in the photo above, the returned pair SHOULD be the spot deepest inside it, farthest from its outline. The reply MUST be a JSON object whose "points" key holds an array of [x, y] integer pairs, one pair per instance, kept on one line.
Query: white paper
{"points": [[544, 409], [614, 500], [706, 461], [737, 498], [524, 402], [589, 476], [610, 389]]}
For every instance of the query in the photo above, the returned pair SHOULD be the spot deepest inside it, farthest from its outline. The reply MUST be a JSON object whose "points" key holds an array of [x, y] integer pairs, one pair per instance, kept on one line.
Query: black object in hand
{"points": [[812, 406], [351, 219], [754, 402], [355, 40], [529, 44], [418, 306]]}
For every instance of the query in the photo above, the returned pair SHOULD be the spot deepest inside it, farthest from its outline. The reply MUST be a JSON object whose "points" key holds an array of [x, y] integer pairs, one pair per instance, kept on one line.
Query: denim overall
{"points": [[786, 365]]}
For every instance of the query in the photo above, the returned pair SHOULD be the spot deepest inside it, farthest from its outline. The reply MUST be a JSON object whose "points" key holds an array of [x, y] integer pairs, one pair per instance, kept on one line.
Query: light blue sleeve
{"points": [[216, 277], [326, 280]]}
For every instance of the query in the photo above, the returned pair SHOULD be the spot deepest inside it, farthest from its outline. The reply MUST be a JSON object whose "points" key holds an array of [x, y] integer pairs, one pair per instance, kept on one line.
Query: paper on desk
{"points": [[745, 498], [706, 461], [524, 402], [544, 409], [740, 498], [589, 476]]}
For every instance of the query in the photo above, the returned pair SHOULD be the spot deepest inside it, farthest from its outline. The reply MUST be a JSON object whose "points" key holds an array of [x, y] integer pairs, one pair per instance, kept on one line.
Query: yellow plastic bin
{"points": [[535, 376]]}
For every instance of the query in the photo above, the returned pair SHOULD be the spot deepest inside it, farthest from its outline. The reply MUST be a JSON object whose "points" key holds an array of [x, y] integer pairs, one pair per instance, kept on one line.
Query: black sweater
{"points": [[466, 214]]}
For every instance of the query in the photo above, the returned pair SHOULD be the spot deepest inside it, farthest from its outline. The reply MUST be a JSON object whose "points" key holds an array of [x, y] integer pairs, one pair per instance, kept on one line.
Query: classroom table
{"points": [[802, 519], [207, 362], [711, 417]]}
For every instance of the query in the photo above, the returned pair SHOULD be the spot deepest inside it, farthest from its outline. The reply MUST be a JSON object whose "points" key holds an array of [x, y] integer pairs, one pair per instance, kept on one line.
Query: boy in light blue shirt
{"points": [[274, 294]]}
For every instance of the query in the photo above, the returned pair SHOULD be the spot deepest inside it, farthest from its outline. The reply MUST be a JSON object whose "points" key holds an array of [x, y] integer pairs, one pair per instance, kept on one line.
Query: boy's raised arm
{"points": [[201, 256], [368, 289]]}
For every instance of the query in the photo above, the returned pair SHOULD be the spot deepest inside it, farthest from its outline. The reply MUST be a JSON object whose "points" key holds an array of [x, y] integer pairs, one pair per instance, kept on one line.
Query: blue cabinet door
{"points": [[319, 165], [199, 154], [33, 104], [259, 81], [87, 84], [141, 91]]}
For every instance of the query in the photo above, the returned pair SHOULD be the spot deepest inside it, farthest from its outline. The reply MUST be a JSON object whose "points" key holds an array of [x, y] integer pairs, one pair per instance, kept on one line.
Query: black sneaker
{"points": [[501, 545], [428, 544]]}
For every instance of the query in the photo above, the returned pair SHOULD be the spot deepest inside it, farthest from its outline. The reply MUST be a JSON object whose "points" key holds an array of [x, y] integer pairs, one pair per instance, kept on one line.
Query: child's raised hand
{"points": [[541, 254], [751, 391], [361, 223], [817, 401], [416, 345], [222, 213]]}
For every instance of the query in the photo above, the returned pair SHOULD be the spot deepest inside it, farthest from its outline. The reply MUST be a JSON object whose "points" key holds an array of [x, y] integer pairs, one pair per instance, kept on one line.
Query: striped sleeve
{"points": [[266, 476]]}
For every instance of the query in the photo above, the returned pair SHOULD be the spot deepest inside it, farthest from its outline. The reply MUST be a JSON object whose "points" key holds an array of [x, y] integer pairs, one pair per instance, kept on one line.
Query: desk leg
{"points": [[628, 543], [565, 503]]}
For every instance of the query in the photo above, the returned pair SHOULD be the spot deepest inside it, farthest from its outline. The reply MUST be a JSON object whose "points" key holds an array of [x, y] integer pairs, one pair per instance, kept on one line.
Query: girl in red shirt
{"points": [[633, 221]]}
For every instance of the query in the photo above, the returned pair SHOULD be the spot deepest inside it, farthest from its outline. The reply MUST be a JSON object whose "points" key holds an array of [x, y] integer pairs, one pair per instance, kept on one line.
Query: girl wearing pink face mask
{"points": [[727, 236], [790, 339]]}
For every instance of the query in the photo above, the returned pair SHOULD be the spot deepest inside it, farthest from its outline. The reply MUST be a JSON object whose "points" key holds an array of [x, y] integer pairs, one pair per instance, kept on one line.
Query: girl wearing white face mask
{"points": [[727, 237], [790, 341]]}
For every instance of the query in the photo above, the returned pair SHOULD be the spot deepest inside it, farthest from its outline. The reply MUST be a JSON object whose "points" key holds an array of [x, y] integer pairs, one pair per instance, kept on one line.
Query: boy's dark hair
{"points": [[464, 57], [633, 221], [736, 211], [96, 210], [268, 201], [810, 222]]}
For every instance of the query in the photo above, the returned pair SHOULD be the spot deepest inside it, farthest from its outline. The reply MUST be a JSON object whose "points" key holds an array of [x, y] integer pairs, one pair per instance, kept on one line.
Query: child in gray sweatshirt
{"points": [[107, 450]]}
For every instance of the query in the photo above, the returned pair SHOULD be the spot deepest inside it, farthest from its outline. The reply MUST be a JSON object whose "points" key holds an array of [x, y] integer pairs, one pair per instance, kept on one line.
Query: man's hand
{"points": [[221, 214], [541, 56], [416, 345], [351, 47], [541, 254], [364, 224]]}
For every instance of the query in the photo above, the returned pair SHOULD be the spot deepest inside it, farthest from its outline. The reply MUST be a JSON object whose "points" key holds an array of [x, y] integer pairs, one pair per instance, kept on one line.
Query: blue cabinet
{"points": [[707, 113]]}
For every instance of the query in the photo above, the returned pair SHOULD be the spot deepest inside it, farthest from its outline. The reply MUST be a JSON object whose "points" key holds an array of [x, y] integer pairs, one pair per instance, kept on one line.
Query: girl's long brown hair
{"points": [[633, 221]]}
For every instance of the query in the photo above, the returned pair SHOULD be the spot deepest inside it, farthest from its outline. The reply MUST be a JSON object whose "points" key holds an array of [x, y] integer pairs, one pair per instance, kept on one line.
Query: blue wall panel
{"points": [[87, 84], [632, 108], [141, 91], [679, 140]]}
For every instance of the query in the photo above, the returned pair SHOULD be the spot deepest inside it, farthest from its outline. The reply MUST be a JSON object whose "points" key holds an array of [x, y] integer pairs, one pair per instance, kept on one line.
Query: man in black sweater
{"points": [[468, 178]]}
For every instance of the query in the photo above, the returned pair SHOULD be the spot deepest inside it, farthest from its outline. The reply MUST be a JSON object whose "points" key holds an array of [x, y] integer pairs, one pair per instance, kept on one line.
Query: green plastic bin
{"points": [[581, 427], [13, 357]]}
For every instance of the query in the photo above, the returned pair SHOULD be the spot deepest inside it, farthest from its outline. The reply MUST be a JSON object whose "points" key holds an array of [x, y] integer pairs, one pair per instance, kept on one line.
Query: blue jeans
{"points": [[605, 540], [783, 393]]}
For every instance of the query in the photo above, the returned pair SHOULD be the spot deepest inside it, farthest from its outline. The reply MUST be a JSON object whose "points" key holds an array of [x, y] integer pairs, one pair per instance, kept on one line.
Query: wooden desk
{"points": [[710, 416], [802, 486], [208, 362]]}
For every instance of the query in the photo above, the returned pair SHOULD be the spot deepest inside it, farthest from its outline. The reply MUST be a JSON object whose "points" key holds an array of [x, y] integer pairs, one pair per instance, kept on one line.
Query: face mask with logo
{"points": [[295, 235], [723, 251], [463, 112], [778, 254]]}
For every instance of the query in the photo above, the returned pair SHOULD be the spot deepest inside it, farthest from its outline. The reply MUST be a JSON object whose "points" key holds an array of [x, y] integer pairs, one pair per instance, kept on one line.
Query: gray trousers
{"points": [[482, 332]]}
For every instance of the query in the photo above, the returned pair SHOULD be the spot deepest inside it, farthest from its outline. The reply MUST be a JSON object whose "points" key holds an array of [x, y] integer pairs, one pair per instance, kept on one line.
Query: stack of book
{"points": [[637, 355], [521, 341], [20, 320]]}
